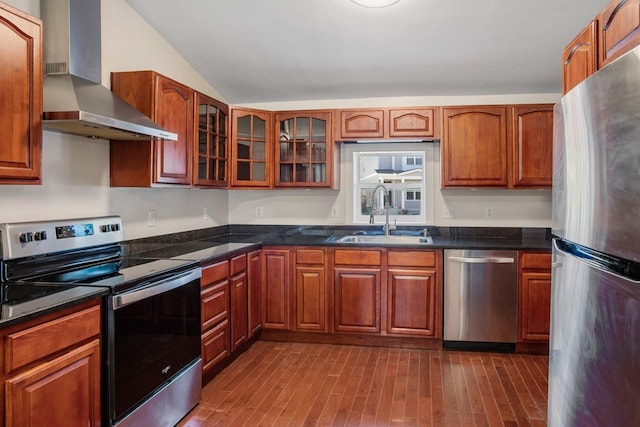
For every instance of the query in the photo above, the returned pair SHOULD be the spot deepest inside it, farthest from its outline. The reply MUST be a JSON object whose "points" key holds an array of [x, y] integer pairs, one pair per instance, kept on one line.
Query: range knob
{"points": [[105, 228], [40, 235], [25, 237]]}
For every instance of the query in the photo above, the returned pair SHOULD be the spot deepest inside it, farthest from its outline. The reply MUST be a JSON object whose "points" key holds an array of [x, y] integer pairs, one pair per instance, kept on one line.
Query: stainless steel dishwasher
{"points": [[480, 299]]}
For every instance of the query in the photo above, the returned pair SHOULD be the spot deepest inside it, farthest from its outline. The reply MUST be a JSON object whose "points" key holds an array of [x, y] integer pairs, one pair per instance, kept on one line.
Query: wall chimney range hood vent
{"points": [[75, 101]]}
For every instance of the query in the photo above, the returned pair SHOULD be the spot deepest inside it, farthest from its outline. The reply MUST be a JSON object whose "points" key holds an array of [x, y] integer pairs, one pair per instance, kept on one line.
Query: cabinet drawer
{"points": [[412, 259], [357, 257], [310, 256], [214, 273], [40, 341], [238, 264], [535, 260], [215, 304], [215, 345]]}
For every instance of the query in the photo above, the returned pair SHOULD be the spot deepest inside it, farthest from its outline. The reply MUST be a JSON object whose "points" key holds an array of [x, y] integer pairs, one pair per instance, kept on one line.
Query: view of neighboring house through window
{"points": [[403, 177]]}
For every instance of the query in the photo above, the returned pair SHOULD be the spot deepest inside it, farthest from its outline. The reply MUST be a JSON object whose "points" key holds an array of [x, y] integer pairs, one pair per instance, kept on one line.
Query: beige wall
{"points": [[76, 170]]}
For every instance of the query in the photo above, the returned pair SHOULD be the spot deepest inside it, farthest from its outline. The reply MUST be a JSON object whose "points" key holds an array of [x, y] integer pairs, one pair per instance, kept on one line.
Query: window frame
{"points": [[401, 188]]}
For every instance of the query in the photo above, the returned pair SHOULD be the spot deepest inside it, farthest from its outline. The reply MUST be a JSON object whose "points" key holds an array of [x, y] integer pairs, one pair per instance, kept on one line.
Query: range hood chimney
{"points": [[75, 101]]}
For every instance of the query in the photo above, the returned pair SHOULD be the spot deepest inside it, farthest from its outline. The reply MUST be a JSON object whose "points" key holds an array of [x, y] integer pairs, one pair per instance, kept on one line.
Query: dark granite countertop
{"points": [[67, 296], [210, 244]]}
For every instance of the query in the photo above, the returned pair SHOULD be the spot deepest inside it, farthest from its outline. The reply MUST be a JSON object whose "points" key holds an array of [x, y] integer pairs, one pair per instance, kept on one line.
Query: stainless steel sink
{"points": [[392, 240]]}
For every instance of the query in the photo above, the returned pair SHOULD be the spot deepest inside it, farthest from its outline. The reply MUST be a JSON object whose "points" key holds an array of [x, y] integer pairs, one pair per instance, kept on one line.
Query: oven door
{"points": [[153, 334]]}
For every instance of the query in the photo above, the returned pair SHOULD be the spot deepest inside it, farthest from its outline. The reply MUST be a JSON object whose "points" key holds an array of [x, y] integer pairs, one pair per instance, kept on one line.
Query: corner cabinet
{"points": [[304, 157], [157, 162], [580, 57], [474, 146], [21, 83], [251, 148], [211, 149]]}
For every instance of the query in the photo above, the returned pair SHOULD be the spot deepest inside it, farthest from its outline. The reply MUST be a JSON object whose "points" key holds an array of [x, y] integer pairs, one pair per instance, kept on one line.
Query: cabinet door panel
{"points": [[532, 146], [357, 300], [251, 150], [474, 147], [238, 310], [411, 123], [21, 102], [174, 112], [619, 26], [64, 391], [215, 346], [356, 124], [254, 292], [215, 304], [412, 302], [580, 57], [310, 299], [276, 288], [535, 306]]}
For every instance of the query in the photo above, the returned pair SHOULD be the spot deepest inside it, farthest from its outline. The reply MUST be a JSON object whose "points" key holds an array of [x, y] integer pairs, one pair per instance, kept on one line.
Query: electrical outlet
{"points": [[151, 218], [259, 212], [334, 212], [488, 212], [448, 212], [206, 214]]}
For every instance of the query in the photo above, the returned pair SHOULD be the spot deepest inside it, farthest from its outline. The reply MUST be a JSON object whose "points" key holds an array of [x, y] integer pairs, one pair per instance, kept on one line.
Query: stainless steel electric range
{"points": [[151, 321]]}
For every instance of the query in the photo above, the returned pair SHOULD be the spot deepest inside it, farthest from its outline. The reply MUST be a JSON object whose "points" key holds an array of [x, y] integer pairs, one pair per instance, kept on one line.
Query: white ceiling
{"points": [[283, 50]]}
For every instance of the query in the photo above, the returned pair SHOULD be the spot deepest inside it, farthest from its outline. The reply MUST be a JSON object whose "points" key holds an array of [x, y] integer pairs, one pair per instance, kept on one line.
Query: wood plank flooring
{"points": [[295, 384]]}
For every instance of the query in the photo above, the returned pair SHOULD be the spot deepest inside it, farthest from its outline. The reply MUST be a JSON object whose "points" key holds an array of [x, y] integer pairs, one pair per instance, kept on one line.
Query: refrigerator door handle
{"points": [[486, 260]]}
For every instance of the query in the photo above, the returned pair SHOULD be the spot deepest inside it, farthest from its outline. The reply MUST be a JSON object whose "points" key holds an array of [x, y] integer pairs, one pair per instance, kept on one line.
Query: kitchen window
{"points": [[402, 176]]}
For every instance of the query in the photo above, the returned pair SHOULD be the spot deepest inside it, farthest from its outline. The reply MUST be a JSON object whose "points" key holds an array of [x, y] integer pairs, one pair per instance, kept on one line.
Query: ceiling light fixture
{"points": [[375, 3]]}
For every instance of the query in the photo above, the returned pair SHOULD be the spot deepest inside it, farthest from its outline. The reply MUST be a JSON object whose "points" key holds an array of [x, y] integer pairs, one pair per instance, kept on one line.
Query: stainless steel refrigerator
{"points": [[594, 354]]}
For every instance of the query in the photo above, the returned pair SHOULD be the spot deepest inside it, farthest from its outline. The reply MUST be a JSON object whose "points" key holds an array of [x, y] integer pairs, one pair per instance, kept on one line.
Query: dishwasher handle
{"points": [[482, 260]]}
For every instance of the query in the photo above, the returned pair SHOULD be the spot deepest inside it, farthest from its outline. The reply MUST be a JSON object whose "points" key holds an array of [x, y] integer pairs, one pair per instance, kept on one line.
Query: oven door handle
{"points": [[155, 288]]}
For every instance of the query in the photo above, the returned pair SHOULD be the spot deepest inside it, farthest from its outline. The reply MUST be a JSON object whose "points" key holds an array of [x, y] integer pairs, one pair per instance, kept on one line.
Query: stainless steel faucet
{"points": [[387, 227]]}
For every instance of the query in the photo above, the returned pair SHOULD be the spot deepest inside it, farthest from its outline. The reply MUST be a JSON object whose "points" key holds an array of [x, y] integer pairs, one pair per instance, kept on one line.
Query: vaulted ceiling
{"points": [[284, 50]]}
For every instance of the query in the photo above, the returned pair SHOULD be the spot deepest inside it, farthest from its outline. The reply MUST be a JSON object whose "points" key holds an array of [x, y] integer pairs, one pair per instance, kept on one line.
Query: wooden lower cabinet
{"points": [[311, 290], [52, 370], [414, 293], [214, 295], [276, 288], [534, 300], [239, 331], [357, 299], [254, 293]]}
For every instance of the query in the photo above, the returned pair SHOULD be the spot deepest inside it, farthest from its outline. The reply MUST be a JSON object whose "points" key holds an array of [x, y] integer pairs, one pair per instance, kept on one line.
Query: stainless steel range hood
{"points": [[75, 101]]}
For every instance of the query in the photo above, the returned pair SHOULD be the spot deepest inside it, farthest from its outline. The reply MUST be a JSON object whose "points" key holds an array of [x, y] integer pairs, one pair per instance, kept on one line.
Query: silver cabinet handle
{"points": [[155, 288], [486, 260]]}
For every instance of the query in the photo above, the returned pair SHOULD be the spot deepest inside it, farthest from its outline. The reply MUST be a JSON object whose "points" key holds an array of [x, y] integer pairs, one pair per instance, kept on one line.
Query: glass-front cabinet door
{"points": [[251, 148], [304, 149], [211, 168]]}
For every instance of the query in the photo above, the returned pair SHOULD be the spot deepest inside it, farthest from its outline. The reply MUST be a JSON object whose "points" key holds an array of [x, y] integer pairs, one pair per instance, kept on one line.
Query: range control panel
{"points": [[36, 238]]}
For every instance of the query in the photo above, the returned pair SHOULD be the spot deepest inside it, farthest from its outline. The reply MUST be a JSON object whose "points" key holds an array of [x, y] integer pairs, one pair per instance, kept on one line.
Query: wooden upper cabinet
{"points": [[619, 29], [532, 146], [411, 122], [363, 123], [251, 148], [304, 157], [171, 105], [580, 57], [211, 143], [474, 146], [387, 123], [21, 101]]}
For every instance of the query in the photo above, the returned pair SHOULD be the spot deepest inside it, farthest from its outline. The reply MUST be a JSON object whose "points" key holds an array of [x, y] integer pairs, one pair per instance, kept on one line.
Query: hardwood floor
{"points": [[294, 384]]}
